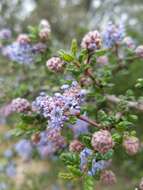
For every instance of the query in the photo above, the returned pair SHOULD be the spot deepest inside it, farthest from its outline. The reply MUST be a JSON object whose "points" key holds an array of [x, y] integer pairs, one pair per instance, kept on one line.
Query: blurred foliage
{"points": [[70, 18]]}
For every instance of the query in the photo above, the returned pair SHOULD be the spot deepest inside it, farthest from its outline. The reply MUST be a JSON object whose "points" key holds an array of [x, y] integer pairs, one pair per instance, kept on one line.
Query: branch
{"points": [[131, 104], [91, 122], [88, 73]]}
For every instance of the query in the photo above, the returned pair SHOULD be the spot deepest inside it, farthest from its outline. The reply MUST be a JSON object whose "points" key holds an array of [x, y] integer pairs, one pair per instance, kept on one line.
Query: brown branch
{"points": [[91, 122], [77, 64], [131, 104]]}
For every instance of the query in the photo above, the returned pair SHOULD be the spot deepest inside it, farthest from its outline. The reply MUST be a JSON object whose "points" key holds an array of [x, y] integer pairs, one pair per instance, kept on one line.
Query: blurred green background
{"points": [[70, 19]]}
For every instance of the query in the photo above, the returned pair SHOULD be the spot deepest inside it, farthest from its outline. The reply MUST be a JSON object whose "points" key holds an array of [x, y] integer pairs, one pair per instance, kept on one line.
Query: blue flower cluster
{"points": [[84, 155], [113, 35], [58, 108], [50, 141], [80, 127], [9, 167], [20, 52], [8, 153], [24, 149], [96, 165], [5, 34]]}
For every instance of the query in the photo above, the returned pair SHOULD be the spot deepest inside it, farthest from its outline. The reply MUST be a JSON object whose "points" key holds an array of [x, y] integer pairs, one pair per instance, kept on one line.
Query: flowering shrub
{"points": [[81, 121]]}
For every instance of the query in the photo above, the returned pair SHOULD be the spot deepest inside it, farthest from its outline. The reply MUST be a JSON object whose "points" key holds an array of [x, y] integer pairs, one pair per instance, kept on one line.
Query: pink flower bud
{"points": [[20, 105], [44, 29], [128, 41], [91, 40], [55, 64], [102, 141], [44, 34], [76, 146], [131, 145], [108, 177], [139, 51], [44, 24], [23, 38]]}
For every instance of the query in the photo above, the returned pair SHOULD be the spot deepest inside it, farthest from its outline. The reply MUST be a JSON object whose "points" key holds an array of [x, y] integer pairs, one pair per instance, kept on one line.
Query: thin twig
{"points": [[131, 104], [91, 122]]}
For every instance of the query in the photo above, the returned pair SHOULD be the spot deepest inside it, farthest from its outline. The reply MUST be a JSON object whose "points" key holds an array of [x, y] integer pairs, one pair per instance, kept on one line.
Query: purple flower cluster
{"points": [[8, 168], [84, 155], [113, 35], [8, 153], [11, 169], [50, 142], [20, 52], [5, 34], [80, 127], [97, 166], [19, 105], [39, 47], [6, 110], [57, 108], [24, 149]]}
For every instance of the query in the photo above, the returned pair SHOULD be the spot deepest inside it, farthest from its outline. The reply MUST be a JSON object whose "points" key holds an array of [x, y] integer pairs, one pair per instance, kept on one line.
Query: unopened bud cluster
{"points": [[102, 141], [91, 41], [20, 105], [108, 177], [76, 146], [55, 64], [131, 145], [44, 29]]}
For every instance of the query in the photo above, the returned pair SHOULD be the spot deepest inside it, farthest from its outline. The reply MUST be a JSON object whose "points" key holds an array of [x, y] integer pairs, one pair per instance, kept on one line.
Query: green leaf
{"points": [[88, 183], [17, 132], [75, 171], [83, 55], [74, 47], [27, 119], [117, 137], [22, 89], [123, 125], [100, 52], [66, 176], [70, 158], [72, 120], [32, 29], [133, 117], [86, 140], [33, 33], [65, 56], [108, 155], [139, 83]]}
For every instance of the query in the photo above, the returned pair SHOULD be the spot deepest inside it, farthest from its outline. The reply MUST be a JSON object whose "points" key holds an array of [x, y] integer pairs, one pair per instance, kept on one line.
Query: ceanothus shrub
{"points": [[98, 121]]}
